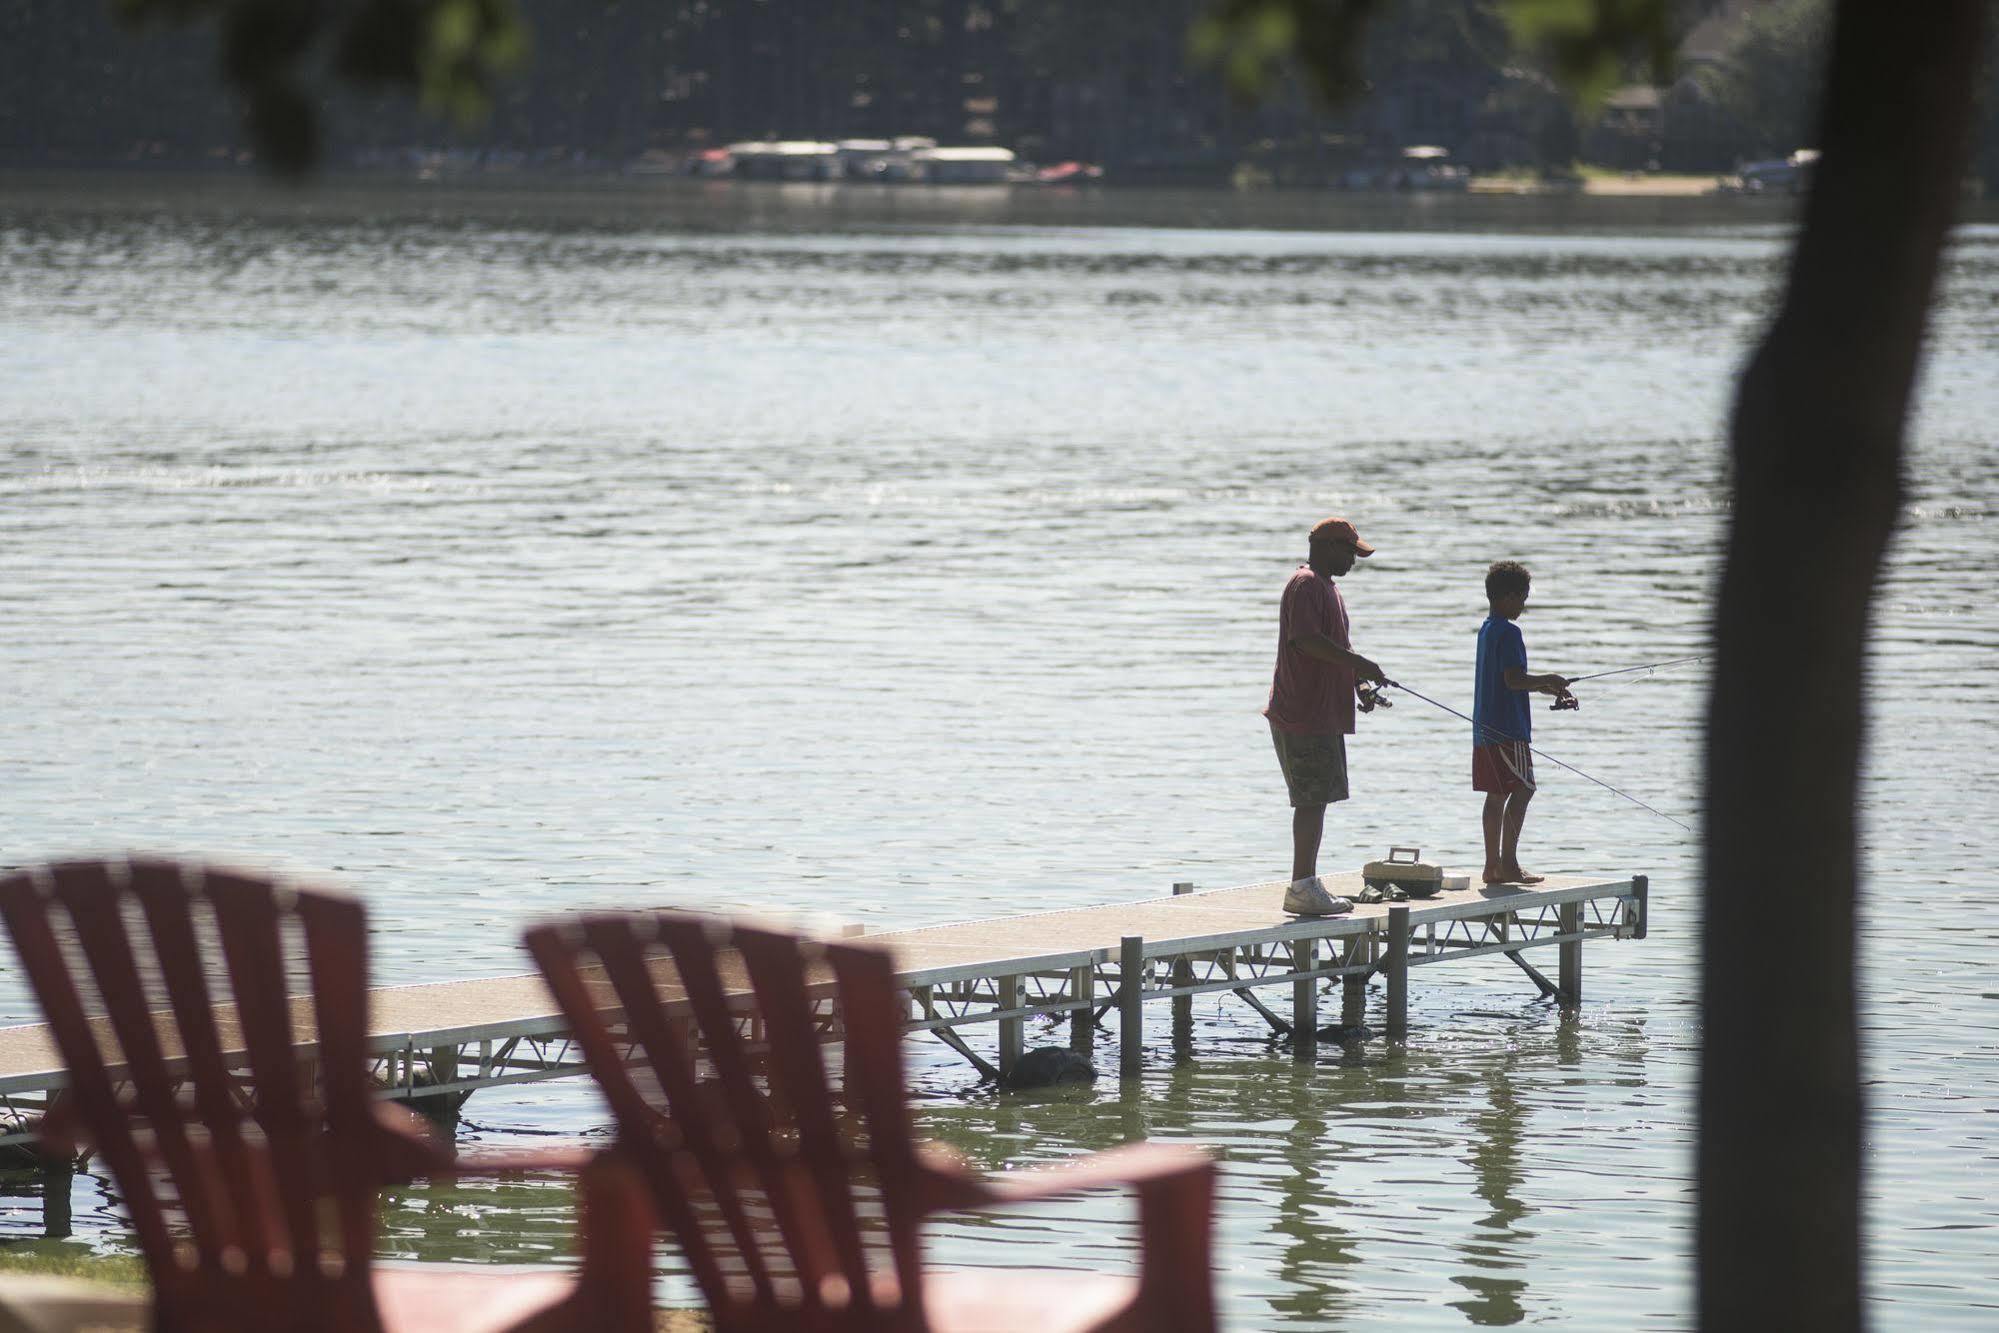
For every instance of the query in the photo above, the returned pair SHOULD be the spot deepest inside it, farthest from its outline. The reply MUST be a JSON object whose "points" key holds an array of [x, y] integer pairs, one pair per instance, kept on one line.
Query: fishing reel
{"points": [[1368, 694], [1565, 702]]}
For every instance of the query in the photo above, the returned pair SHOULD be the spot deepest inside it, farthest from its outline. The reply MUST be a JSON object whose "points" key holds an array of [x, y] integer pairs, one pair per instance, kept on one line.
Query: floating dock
{"points": [[436, 1044]]}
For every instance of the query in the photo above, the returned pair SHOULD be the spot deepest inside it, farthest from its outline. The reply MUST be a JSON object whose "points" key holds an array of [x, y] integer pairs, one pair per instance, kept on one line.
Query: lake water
{"points": [[503, 552]]}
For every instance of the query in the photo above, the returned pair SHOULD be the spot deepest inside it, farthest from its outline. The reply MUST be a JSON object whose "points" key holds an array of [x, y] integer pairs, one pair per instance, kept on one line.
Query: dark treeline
{"points": [[1109, 81]]}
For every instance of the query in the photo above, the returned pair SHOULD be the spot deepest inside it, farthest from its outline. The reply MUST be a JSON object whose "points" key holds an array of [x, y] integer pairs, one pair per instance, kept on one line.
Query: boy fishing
{"points": [[1502, 764]]}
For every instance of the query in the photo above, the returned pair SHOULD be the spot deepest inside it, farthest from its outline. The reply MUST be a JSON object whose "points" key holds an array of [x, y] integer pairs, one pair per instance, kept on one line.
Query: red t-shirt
{"points": [[1308, 696]]}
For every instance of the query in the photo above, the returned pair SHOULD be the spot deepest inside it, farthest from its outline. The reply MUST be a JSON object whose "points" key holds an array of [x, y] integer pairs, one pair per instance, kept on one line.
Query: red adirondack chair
{"points": [[213, 1026], [799, 1208]]}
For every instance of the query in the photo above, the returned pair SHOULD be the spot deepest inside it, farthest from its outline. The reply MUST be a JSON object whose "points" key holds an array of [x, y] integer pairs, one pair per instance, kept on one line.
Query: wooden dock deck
{"points": [[450, 1039]]}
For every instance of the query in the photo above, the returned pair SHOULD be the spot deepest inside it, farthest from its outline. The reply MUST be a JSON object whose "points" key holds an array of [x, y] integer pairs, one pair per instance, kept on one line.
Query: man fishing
{"points": [[1312, 696]]}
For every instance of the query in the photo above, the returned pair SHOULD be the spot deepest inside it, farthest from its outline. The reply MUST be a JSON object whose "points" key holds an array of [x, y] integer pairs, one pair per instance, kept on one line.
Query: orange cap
{"points": [[1339, 530]]}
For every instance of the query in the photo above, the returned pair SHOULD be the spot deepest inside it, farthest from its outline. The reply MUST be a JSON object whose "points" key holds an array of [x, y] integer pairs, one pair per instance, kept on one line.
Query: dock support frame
{"points": [[1395, 967], [439, 1068], [1131, 1006], [1304, 1002], [1012, 1033], [1569, 958], [1183, 1004], [58, 1179], [1083, 1018]]}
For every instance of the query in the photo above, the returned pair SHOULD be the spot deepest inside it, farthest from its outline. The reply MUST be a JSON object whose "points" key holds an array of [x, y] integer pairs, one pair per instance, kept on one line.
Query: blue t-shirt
{"points": [[1499, 714]]}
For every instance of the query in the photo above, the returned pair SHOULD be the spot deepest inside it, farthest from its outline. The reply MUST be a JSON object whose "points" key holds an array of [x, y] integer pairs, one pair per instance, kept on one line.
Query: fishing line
{"points": [[1394, 684], [1624, 671], [1625, 679]]}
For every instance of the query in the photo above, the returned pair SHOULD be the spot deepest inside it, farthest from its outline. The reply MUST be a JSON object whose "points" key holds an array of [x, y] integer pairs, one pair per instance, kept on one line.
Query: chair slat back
{"points": [[196, 1011], [793, 1206]]}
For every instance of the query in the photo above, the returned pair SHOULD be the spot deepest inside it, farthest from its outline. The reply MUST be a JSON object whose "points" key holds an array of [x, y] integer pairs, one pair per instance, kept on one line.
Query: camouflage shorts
{"points": [[1315, 767]]}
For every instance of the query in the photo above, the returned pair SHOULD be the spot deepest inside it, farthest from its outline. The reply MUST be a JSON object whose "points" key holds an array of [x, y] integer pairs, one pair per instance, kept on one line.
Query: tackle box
{"points": [[1406, 869]]}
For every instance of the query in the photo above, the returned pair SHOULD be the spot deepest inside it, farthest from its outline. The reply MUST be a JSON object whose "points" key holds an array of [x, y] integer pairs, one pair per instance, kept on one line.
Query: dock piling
{"points": [[58, 1179], [1304, 1004], [1083, 1018], [1353, 986], [1569, 959], [1131, 1006], [1011, 1030], [441, 1109], [1395, 963], [1183, 1005], [1641, 889]]}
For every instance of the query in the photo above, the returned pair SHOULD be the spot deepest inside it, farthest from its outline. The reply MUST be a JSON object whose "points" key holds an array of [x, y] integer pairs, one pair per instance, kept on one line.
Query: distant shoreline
{"points": [[1596, 202], [675, 203], [1655, 185]]}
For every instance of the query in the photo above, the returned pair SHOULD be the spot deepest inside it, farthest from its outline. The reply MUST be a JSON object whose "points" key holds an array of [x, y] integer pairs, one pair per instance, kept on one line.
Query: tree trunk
{"points": [[1817, 449]]}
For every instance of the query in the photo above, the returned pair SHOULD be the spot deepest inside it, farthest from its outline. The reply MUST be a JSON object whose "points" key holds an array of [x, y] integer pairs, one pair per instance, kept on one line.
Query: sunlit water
{"points": [[503, 556]]}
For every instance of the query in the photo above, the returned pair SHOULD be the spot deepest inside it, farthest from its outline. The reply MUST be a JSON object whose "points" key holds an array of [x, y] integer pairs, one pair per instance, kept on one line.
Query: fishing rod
{"points": [[1623, 671], [1395, 684]]}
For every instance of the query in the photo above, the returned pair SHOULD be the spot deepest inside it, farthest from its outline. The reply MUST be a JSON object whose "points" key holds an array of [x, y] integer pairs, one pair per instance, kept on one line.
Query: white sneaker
{"points": [[1308, 897]]}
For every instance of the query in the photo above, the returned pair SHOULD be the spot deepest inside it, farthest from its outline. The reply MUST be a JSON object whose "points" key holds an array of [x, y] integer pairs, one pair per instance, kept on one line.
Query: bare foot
{"points": [[1515, 875], [1494, 874]]}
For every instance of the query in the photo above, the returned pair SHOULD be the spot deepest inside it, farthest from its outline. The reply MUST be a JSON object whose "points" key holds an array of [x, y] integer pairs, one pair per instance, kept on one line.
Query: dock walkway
{"points": [[450, 1039]]}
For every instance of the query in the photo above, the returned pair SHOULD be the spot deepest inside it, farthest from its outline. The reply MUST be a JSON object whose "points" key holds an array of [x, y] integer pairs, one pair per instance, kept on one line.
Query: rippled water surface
{"points": [[505, 554]]}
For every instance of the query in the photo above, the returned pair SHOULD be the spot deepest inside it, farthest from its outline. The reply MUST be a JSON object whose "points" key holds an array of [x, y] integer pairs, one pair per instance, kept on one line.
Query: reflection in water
{"points": [[1488, 1250], [521, 1219], [1312, 1245]]}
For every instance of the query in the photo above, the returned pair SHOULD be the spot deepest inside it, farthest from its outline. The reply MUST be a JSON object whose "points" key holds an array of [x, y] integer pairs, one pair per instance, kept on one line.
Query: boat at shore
{"points": [[910, 160]]}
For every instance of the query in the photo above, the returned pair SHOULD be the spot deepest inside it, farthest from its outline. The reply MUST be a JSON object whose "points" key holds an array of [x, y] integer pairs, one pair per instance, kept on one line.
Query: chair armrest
{"points": [[614, 1235], [1175, 1184], [1143, 1166], [613, 1293]]}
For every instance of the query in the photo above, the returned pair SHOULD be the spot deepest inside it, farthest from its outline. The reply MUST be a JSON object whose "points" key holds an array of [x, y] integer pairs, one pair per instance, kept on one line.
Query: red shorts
{"points": [[1505, 767]]}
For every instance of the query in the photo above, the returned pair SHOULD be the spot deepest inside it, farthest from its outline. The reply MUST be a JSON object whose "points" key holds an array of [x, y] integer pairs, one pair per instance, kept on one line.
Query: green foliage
{"points": [[274, 52], [1770, 80], [55, 1258], [1254, 41], [1589, 44], [468, 44]]}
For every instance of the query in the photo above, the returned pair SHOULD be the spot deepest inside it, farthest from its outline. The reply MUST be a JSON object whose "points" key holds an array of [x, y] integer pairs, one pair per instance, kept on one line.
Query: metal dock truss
{"points": [[434, 1045], [435, 1072], [1199, 945], [512, 1036]]}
